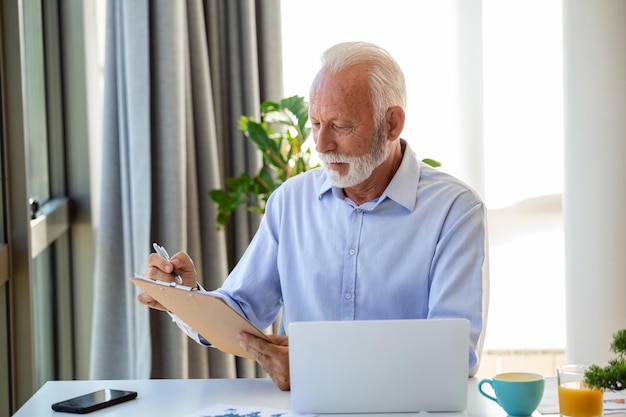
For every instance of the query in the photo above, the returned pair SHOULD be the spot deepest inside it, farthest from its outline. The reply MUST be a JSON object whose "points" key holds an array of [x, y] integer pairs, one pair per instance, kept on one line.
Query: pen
{"points": [[163, 253]]}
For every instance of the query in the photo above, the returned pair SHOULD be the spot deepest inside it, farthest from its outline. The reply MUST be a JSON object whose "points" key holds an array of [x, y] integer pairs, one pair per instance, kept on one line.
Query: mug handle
{"points": [[480, 388]]}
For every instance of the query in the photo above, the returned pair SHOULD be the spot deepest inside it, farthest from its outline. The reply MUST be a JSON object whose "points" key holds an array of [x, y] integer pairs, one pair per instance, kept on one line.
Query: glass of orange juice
{"points": [[576, 399]]}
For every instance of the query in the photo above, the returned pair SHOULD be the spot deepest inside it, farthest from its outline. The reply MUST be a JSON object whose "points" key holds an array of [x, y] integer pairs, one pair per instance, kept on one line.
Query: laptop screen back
{"points": [[379, 366]]}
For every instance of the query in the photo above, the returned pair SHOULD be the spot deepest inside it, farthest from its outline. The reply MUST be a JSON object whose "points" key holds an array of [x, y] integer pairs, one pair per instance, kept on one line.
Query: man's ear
{"points": [[394, 122]]}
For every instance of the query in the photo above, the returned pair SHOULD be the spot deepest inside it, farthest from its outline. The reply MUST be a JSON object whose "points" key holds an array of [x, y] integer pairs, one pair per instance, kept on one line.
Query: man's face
{"points": [[350, 142]]}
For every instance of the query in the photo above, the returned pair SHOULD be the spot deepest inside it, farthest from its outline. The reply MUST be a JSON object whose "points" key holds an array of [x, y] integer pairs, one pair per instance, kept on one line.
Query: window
{"points": [[45, 111], [522, 161], [5, 375]]}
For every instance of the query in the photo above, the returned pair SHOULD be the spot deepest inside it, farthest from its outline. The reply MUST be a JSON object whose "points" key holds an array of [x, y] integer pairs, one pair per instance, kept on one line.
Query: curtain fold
{"points": [[178, 75]]}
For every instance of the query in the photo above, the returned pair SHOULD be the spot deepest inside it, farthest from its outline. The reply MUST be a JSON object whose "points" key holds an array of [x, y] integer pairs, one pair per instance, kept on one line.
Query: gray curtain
{"points": [[178, 75]]}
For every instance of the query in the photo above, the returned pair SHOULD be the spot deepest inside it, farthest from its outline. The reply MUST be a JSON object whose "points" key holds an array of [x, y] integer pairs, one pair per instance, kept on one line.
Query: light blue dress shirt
{"points": [[419, 251]]}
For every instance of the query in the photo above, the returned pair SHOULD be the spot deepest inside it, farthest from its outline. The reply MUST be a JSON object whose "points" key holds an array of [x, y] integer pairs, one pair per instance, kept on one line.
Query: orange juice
{"points": [[575, 400]]}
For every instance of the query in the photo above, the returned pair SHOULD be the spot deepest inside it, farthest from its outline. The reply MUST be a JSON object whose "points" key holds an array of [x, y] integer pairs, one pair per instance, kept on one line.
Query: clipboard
{"points": [[210, 316]]}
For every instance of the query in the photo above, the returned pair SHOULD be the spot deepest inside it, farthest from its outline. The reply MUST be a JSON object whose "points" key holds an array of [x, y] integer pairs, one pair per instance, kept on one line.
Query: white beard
{"points": [[360, 167]]}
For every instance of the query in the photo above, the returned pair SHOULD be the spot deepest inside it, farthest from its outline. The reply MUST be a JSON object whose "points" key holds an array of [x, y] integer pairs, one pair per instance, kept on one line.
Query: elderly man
{"points": [[374, 234]]}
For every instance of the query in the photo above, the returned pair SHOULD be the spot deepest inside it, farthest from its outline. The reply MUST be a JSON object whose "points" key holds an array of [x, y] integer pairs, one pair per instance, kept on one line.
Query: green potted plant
{"points": [[280, 136], [613, 375]]}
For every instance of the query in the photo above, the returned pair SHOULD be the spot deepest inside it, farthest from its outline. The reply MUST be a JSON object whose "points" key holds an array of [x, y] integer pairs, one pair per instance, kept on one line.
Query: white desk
{"points": [[179, 397]]}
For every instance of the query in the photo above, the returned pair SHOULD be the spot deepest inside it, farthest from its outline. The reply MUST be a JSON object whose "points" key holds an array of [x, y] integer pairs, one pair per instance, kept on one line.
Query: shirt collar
{"points": [[403, 186]]}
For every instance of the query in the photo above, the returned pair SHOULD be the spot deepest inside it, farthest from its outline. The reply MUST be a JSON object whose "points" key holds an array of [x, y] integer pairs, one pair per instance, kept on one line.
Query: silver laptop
{"points": [[379, 366]]}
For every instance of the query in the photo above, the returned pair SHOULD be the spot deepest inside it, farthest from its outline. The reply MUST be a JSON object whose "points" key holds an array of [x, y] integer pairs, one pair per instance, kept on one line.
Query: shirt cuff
{"points": [[189, 331]]}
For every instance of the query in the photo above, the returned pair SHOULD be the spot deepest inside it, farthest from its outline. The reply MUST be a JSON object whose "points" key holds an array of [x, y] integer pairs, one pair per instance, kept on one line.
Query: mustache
{"points": [[336, 158]]}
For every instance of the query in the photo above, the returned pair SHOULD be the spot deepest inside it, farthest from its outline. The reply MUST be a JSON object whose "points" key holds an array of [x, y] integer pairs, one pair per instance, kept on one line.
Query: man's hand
{"points": [[161, 269], [272, 356]]}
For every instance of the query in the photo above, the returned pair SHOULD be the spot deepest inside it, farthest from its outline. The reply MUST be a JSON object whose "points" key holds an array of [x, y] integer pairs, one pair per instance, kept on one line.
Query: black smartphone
{"points": [[94, 401]]}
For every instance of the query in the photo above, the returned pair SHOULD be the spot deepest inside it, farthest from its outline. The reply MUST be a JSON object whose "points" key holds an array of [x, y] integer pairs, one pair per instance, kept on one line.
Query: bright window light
{"points": [[522, 125]]}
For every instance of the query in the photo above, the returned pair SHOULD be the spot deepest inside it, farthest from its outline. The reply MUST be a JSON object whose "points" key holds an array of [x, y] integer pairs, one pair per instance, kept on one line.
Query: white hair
{"points": [[387, 83]]}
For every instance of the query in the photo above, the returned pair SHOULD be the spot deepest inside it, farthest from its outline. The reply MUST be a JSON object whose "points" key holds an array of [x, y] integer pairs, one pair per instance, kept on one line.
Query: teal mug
{"points": [[518, 393]]}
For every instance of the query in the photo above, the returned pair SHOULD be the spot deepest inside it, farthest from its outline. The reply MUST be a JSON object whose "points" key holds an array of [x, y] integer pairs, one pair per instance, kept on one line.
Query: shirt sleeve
{"points": [[460, 274], [253, 287], [188, 330]]}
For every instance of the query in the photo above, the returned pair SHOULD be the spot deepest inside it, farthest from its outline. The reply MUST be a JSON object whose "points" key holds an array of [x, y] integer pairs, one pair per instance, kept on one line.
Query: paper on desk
{"points": [[614, 401], [228, 410]]}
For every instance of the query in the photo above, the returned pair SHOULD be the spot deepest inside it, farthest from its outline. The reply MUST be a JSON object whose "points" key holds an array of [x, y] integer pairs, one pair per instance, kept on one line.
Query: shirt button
{"points": [[348, 296], [351, 251]]}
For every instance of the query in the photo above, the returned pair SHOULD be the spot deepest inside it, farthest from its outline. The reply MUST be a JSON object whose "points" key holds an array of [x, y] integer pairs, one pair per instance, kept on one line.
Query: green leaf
{"points": [[619, 342], [299, 108], [265, 180], [239, 184], [217, 195], [258, 135], [243, 123], [269, 107], [431, 162]]}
